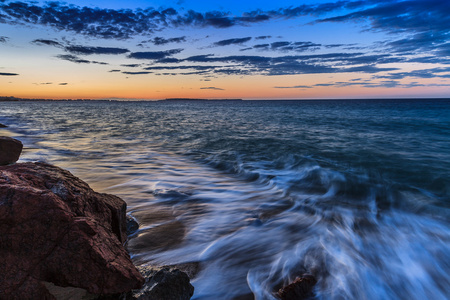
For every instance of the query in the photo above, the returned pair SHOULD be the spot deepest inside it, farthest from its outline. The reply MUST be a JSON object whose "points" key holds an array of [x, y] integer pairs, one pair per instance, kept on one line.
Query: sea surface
{"points": [[256, 193]]}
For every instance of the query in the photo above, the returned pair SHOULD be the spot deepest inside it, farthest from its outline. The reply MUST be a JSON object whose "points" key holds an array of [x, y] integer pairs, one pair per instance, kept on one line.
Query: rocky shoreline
{"points": [[59, 239]]}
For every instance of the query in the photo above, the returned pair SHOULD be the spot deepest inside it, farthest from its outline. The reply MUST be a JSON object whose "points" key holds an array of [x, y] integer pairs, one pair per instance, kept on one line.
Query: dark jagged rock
{"points": [[190, 268], [301, 288], [55, 229], [2, 125], [10, 150], [163, 284]]}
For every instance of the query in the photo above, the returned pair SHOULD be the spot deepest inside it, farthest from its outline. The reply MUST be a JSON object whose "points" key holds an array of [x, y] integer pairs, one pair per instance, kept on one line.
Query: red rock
{"points": [[10, 150], [55, 228], [301, 288]]}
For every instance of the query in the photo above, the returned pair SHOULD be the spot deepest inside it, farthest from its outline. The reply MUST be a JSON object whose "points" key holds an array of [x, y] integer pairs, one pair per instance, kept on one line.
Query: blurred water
{"points": [[354, 192]]}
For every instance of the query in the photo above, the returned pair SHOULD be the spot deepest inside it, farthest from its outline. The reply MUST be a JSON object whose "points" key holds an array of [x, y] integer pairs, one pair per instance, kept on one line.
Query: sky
{"points": [[220, 50]]}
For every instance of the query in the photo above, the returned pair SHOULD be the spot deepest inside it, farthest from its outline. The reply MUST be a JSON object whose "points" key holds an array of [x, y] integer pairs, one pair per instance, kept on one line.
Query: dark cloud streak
{"points": [[235, 41], [152, 55]]}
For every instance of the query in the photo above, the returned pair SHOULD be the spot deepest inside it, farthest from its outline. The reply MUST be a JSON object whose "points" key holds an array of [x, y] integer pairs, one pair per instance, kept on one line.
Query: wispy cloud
{"points": [[84, 50], [152, 55], [163, 41], [235, 41], [79, 49], [212, 88], [137, 73], [293, 87], [47, 43], [8, 74], [76, 59]]}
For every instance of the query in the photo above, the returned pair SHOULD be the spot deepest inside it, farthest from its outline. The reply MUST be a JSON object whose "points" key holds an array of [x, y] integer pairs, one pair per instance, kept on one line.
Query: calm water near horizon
{"points": [[355, 192]]}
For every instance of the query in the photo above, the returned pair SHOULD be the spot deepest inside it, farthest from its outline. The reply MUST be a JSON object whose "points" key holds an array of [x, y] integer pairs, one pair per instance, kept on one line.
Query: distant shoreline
{"points": [[16, 99]]}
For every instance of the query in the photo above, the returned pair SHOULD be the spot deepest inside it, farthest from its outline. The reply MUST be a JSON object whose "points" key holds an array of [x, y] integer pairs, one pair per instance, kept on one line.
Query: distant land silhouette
{"points": [[12, 98]]}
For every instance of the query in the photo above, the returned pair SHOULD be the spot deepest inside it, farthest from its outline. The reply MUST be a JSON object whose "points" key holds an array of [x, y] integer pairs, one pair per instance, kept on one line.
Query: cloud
{"points": [[284, 46], [200, 68], [8, 74], [4, 39], [211, 88], [116, 23], [424, 73], [293, 87], [154, 54], [131, 65], [415, 16], [209, 64], [76, 59], [292, 46], [232, 41], [79, 49], [163, 41], [366, 84], [261, 46], [73, 58], [47, 42], [114, 71], [137, 73], [423, 23], [63, 83], [86, 50]]}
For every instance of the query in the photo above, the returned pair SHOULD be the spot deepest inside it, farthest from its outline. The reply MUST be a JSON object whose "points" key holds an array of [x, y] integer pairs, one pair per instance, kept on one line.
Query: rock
{"points": [[10, 150], [2, 126], [163, 284], [132, 225], [55, 229], [301, 288], [190, 268]]}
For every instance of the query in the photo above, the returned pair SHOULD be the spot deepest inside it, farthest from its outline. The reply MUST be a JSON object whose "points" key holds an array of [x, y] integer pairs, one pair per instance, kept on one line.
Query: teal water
{"points": [[258, 192]]}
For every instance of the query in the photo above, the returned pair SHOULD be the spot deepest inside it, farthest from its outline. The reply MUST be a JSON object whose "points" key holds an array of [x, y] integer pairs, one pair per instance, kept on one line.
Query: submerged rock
{"points": [[301, 288], [10, 150], [55, 229], [163, 284]]}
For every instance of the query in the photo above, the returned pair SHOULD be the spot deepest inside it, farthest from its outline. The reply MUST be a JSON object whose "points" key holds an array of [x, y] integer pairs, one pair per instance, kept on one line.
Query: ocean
{"points": [[256, 193]]}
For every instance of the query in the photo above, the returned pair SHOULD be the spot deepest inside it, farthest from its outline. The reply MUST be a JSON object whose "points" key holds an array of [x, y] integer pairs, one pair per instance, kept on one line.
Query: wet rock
{"points": [[55, 229], [163, 284], [132, 225], [191, 268], [301, 288], [10, 150], [2, 126]]}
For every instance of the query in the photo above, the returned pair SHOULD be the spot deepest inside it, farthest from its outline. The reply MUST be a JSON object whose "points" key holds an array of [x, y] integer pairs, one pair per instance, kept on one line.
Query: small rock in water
{"points": [[132, 225], [10, 150], [2, 126], [301, 288], [163, 284]]}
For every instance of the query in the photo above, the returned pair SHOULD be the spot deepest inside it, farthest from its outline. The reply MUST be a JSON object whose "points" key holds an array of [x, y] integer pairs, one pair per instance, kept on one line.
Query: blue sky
{"points": [[232, 49]]}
